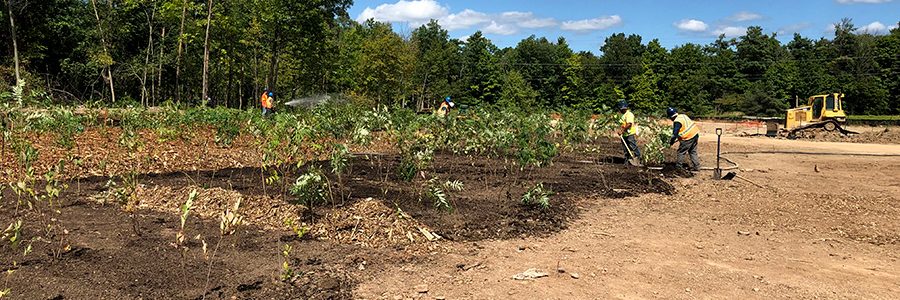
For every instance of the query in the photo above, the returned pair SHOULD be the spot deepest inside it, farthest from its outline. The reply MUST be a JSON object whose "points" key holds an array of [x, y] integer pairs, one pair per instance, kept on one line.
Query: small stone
{"points": [[756, 289], [530, 274], [687, 290], [422, 288], [575, 275], [560, 270], [521, 247], [439, 298], [361, 267]]}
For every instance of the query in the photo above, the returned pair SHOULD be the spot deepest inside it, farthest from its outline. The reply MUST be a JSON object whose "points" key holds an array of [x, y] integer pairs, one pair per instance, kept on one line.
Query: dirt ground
{"points": [[829, 234], [864, 133], [825, 224]]}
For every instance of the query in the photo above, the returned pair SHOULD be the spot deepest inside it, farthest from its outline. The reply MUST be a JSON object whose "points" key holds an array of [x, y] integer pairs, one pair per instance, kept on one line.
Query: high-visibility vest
{"points": [[443, 109], [688, 129], [266, 101], [623, 120]]}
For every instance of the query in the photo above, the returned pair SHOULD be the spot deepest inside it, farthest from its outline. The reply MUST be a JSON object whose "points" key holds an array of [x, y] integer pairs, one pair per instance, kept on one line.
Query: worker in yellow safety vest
{"points": [[628, 130], [267, 101], [688, 133]]}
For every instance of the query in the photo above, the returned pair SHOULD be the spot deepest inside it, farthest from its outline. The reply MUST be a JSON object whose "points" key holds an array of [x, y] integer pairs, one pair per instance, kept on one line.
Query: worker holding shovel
{"points": [[688, 133], [628, 132]]}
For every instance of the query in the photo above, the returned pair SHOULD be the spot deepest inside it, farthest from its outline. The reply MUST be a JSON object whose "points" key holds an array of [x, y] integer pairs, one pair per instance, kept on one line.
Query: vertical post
{"points": [[717, 174]]}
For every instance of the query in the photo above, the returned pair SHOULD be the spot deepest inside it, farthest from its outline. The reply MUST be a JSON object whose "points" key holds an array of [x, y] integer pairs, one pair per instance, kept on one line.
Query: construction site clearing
{"points": [[816, 217]]}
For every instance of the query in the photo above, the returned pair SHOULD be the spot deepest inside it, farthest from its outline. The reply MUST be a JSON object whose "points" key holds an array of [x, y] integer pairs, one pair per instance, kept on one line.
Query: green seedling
{"points": [[537, 196]]}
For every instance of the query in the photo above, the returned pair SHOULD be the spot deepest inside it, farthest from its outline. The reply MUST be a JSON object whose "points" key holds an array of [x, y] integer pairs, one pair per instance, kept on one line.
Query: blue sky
{"points": [[585, 23]]}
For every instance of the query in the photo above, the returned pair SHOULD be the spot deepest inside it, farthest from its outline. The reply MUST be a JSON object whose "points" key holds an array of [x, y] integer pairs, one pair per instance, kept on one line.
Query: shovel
{"points": [[633, 160], [732, 175]]}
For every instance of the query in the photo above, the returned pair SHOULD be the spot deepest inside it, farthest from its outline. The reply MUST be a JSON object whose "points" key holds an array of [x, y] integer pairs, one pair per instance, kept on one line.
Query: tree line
{"points": [[226, 52]]}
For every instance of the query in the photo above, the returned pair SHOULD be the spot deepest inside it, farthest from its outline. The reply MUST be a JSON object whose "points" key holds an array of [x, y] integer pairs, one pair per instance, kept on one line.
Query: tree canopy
{"points": [[147, 52]]}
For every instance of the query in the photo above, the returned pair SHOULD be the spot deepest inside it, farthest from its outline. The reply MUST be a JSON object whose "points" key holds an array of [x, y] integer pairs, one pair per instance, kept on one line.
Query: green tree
{"points": [[621, 57], [541, 63], [435, 55], [516, 92], [481, 73]]}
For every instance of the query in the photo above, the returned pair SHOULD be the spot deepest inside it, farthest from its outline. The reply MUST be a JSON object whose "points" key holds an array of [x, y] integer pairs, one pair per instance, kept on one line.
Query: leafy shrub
{"points": [[311, 188], [659, 135], [537, 196]]}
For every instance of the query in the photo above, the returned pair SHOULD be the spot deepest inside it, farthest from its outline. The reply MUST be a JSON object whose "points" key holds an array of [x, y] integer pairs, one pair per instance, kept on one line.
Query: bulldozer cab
{"points": [[817, 104], [827, 107]]}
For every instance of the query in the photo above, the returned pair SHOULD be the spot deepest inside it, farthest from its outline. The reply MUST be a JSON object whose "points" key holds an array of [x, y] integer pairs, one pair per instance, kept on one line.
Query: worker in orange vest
{"points": [[688, 133], [445, 107], [267, 101]]}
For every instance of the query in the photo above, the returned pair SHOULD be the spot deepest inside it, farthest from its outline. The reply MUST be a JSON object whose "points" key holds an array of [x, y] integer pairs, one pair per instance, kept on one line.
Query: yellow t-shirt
{"points": [[626, 118]]}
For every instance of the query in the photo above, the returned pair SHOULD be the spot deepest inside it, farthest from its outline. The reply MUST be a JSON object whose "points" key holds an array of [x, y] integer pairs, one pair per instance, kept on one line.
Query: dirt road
{"points": [[824, 226]]}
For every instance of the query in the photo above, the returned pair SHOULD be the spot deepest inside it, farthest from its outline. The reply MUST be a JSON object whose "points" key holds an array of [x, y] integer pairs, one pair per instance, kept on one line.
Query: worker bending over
{"points": [[628, 131], [445, 107], [688, 133]]}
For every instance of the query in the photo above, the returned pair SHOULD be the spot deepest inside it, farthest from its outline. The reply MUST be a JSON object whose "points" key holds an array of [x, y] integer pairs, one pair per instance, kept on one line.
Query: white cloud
{"points": [[592, 24], [863, 1], [873, 28], [413, 11], [505, 23], [501, 29], [465, 19], [418, 12], [691, 25], [745, 16], [527, 19], [730, 31], [793, 28]]}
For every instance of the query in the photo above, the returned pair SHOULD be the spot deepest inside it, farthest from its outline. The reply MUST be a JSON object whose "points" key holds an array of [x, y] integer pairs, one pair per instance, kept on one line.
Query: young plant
{"points": [[229, 221], [287, 273], [131, 140], [659, 135], [311, 188], [299, 229], [185, 210], [339, 163], [437, 192], [415, 158], [537, 196], [13, 235]]}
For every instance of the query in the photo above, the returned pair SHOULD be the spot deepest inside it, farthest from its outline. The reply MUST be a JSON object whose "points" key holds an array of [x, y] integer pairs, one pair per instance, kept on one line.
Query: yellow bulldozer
{"points": [[821, 111]]}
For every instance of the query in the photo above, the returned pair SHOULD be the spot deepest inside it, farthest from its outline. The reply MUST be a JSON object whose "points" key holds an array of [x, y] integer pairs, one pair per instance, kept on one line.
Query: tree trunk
{"points": [[206, 53], [112, 88], [12, 29], [145, 97], [272, 83], [162, 39], [178, 56]]}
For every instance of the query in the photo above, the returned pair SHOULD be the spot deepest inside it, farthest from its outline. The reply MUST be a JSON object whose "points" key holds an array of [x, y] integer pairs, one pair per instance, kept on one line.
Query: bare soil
{"points": [[823, 226], [96, 249]]}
